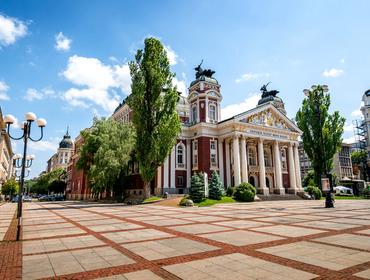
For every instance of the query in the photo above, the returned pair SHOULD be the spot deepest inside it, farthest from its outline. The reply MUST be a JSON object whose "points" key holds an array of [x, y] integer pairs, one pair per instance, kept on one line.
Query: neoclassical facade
{"points": [[259, 146], [62, 157]]}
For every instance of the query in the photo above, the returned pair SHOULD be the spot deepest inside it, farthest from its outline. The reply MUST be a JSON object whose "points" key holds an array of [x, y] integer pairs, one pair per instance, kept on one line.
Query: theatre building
{"points": [[259, 146]]}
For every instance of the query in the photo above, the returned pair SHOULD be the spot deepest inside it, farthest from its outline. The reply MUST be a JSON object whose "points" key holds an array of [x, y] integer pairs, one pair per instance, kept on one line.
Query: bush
{"points": [[314, 191], [229, 191], [183, 201], [366, 192], [196, 191], [245, 192], [215, 188]]}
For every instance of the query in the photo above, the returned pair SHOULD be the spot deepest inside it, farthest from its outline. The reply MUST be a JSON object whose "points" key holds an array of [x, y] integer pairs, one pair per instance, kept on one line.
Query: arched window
{"points": [[252, 156], [212, 112], [180, 155], [194, 115]]}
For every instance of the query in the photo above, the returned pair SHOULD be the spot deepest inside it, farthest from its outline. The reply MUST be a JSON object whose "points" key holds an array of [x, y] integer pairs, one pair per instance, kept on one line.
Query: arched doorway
{"points": [[252, 181], [267, 183]]}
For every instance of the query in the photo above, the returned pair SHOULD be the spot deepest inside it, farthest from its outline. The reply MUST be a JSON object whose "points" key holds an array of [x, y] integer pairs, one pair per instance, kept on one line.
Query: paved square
{"points": [[265, 240]]}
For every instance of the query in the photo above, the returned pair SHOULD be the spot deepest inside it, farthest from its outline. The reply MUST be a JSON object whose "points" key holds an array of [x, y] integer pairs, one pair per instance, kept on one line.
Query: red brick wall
{"points": [[202, 111], [204, 154]]}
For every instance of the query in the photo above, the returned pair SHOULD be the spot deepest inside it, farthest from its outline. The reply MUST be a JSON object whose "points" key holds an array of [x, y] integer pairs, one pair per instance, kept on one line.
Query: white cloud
{"points": [[251, 76], [333, 72], [348, 127], [98, 81], [113, 58], [32, 94], [171, 55], [357, 113], [11, 29], [62, 42], [234, 109], [3, 91], [349, 140], [45, 145], [181, 87]]}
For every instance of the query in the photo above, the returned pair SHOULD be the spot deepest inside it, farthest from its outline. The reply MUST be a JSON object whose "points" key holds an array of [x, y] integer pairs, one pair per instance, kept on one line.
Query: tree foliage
{"points": [[215, 187], [322, 131], [196, 191], [245, 192], [308, 179], [105, 153], [358, 157], [153, 100], [44, 182], [10, 187]]}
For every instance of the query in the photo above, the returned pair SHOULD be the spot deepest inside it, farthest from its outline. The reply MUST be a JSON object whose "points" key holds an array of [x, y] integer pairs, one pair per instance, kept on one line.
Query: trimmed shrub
{"points": [[196, 191], [215, 188], [314, 192], [245, 192], [229, 191], [183, 201]]}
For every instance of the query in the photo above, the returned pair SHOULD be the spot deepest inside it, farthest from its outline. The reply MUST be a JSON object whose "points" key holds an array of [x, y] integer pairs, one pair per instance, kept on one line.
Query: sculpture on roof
{"points": [[203, 72], [267, 93]]}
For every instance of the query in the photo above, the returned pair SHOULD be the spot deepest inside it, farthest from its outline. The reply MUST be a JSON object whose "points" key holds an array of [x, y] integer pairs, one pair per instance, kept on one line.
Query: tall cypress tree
{"points": [[215, 188]]}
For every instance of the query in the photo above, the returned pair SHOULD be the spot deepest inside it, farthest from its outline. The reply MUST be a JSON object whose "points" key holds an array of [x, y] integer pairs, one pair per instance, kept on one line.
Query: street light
{"points": [[24, 161], [315, 90]]}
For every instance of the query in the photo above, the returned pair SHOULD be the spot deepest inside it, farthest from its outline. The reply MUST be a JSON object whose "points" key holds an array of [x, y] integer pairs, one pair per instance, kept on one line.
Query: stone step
{"points": [[273, 197]]}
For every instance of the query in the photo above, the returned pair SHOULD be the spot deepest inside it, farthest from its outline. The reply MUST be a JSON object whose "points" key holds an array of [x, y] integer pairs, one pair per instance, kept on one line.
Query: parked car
{"points": [[44, 198], [15, 198], [341, 190], [27, 198]]}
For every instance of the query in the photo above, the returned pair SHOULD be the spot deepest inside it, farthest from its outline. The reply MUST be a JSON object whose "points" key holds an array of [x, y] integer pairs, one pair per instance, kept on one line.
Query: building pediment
{"points": [[268, 116]]}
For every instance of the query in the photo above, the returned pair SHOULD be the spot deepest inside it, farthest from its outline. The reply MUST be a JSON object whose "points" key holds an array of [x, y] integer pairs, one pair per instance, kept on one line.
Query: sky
{"points": [[66, 61]]}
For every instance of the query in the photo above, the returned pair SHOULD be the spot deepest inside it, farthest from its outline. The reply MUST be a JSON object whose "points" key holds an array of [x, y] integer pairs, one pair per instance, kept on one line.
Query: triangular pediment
{"points": [[268, 116]]}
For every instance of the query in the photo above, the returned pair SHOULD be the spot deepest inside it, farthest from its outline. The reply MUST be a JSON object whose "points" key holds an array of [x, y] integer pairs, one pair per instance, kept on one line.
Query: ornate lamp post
{"points": [[314, 94], [24, 162]]}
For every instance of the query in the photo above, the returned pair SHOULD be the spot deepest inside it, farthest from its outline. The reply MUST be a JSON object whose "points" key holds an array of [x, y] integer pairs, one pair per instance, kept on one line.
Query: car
{"points": [[44, 198], [341, 190], [27, 198], [15, 198]]}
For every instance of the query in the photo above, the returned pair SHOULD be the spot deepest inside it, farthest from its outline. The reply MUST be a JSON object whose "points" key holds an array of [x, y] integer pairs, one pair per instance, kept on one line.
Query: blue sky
{"points": [[67, 60]]}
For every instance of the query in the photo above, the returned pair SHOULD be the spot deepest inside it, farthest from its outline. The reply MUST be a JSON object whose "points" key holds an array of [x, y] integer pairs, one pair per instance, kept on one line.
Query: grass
{"points": [[152, 199], [210, 202], [339, 197]]}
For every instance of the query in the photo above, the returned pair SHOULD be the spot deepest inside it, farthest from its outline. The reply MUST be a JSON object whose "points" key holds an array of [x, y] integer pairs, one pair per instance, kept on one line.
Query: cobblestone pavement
{"points": [[264, 240]]}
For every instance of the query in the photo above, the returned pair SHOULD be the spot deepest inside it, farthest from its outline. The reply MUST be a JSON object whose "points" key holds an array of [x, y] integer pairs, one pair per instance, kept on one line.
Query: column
{"points": [[297, 168], [173, 168], [221, 160], [188, 163], [244, 161], [218, 111], [227, 154], [159, 180], [236, 160], [262, 172], [292, 179], [165, 174], [206, 108], [279, 189]]}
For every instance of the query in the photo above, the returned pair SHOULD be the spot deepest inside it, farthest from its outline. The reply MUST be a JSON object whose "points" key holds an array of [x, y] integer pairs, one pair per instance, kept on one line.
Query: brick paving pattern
{"points": [[264, 240]]}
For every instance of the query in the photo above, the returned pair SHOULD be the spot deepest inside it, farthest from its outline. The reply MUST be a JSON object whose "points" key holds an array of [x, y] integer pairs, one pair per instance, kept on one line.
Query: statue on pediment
{"points": [[267, 93], [203, 72]]}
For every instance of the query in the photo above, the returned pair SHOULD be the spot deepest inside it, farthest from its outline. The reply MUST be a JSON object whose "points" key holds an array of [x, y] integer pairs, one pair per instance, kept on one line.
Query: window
{"points": [[195, 152], [180, 181], [252, 156], [212, 112], [283, 159], [194, 115], [180, 151], [213, 153], [267, 157]]}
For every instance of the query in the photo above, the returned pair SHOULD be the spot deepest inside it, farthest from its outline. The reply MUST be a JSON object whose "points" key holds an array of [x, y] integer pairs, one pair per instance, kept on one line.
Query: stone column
{"points": [[206, 107], [165, 173], [293, 185], [244, 161], [227, 154], [262, 172], [236, 160], [297, 168], [173, 168], [221, 160], [279, 189], [188, 163]]}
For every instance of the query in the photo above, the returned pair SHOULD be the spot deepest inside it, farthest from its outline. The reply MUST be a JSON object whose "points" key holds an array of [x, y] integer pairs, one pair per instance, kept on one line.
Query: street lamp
{"points": [[314, 94], [25, 161]]}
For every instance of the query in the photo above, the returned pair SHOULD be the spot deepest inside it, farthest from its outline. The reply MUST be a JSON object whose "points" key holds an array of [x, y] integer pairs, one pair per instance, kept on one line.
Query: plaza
{"points": [[296, 239]]}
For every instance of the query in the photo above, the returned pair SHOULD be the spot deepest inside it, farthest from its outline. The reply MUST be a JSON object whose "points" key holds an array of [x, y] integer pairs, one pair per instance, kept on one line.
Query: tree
{"points": [[215, 188], [196, 190], [308, 179], [105, 153], [57, 186], [10, 187], [322, 132], [43, 184], [153, 100]]}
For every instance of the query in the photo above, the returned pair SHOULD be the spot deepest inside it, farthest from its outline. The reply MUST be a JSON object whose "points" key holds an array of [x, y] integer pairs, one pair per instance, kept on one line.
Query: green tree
{"points": [[153, 100], [10, 187], [358, 157], [309, 178], [196, 190], [105, 153], [57, 186], [43, 182], [322, 131], [215, 187]]}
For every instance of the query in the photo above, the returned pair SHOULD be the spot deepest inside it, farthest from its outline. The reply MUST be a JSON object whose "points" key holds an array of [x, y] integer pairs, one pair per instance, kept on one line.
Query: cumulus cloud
{"points": [[251, 76], [45, 145], [171, 55], [3, 91], [98, 82], [349, 140], [62, 42], [11, 29], [357, 113], [181, 87], [34, 94], [234, 109], [333, 73], [348, 127]]}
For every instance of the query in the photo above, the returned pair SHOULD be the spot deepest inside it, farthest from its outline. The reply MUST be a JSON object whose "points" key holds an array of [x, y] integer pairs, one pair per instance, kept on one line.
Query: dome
{"points": [[206, 79], [66, 142]]}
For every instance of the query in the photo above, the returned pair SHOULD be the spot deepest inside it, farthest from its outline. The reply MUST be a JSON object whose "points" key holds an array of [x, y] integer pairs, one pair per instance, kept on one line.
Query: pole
{"points": [[20, 191]]}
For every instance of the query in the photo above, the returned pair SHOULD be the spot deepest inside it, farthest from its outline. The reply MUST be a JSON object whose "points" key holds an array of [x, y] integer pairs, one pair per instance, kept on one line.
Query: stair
{"points": [[275, 197]]}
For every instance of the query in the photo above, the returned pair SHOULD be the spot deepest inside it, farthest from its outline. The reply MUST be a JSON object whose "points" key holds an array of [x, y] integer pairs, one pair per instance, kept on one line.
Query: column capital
{"points": [[260, 140]]}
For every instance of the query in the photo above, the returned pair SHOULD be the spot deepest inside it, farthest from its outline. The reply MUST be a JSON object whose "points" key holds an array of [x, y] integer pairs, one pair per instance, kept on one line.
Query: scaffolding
{"points": [[360, 133]]}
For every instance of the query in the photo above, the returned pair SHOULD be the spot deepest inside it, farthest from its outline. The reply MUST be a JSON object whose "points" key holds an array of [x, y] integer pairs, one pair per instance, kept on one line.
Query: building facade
{"points": [[6, 154], [259, 146], [62, 157]]}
